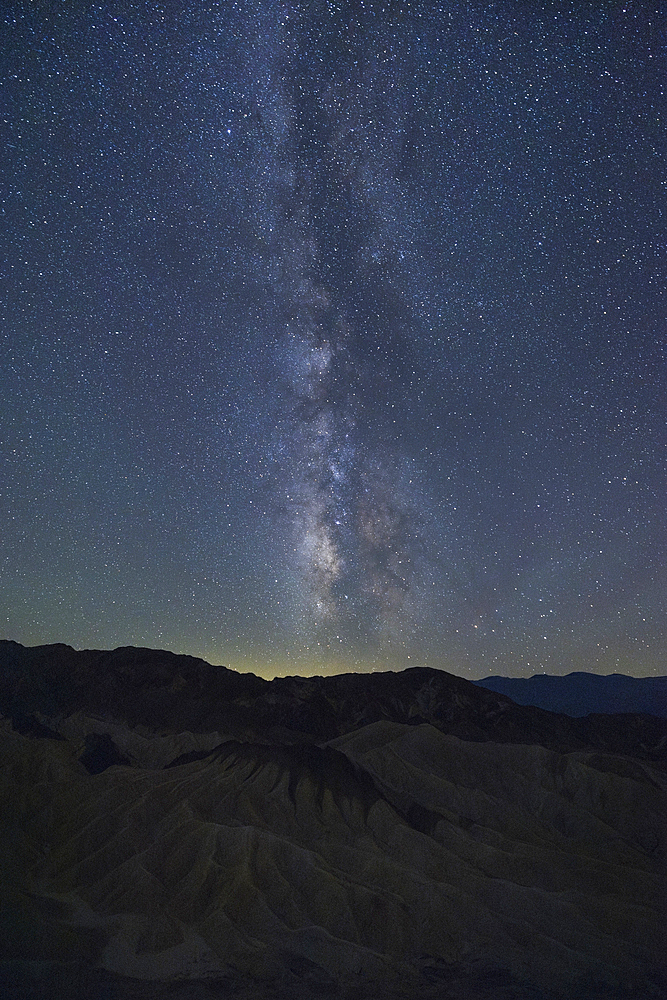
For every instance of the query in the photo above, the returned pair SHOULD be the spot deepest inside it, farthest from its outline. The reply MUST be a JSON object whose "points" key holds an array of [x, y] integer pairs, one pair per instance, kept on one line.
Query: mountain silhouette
{"points": [[175, 829], [580, 693]]}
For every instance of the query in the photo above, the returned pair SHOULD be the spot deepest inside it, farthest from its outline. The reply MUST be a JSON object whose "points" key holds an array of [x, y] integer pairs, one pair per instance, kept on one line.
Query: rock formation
{"points": [[175, 829]]}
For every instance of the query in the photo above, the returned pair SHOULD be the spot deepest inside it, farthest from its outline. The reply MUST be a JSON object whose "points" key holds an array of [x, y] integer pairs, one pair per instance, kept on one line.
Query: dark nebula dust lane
{"points": [[342, 329], [334, 334]]}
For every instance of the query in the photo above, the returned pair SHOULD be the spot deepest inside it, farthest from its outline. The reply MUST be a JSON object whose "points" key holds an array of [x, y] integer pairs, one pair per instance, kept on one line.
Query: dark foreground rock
{"points": [[193, 833]]}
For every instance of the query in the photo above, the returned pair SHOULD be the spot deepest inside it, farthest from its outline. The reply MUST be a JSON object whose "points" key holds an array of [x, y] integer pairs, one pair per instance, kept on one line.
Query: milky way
{"points": [[331, 143], [335, 333]]}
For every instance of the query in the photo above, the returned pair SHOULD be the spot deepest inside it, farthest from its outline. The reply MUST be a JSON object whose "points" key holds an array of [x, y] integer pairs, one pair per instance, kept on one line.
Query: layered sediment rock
{"points": [[306, 838]]}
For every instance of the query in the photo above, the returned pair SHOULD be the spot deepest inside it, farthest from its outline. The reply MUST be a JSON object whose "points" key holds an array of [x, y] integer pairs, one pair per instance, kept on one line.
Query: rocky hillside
{"points": [[173, 829]]}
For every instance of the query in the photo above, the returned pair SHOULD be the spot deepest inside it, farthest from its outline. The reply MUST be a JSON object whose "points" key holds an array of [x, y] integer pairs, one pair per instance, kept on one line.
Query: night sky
{"points": [[333, 334]]}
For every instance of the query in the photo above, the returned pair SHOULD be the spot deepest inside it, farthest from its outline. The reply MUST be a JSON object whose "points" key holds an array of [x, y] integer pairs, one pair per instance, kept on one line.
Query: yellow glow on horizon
{"points": [[268, 664], [273, 666]]}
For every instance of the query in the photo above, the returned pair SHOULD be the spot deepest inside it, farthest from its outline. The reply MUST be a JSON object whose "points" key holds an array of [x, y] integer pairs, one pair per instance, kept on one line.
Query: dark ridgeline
{"points": [[159, 689], [580, 693], [172, 829]]}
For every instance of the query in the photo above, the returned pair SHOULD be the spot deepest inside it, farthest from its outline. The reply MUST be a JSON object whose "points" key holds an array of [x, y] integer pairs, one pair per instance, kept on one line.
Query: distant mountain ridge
{"points": [[160, 689], [580, 693]]}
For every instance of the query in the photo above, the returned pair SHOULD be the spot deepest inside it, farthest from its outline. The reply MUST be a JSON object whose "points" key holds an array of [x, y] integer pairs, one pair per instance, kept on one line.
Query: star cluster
{"points": [[334, 333]]}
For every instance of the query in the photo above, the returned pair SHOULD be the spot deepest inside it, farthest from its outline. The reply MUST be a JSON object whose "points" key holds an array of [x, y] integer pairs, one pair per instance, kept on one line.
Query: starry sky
{"points": [[333, 333]]}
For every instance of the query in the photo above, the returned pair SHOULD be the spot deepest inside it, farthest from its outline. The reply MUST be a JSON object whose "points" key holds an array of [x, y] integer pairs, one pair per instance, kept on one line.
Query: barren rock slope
{"points": [[405, 853]]}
